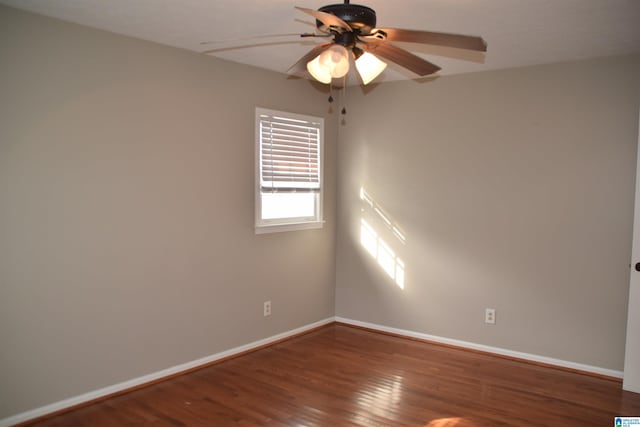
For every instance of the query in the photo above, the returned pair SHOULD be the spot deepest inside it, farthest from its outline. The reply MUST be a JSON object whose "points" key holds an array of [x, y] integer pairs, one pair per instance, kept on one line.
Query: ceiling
{"points": [[518, 32]]}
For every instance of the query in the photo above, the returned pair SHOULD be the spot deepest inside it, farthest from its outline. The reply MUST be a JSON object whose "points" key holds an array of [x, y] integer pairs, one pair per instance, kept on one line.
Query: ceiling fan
{"points": [[355, 38], [354, 34]]}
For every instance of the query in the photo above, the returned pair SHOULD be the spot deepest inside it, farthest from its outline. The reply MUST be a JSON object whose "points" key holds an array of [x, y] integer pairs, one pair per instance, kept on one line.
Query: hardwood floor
{"points": [[341, 376]]}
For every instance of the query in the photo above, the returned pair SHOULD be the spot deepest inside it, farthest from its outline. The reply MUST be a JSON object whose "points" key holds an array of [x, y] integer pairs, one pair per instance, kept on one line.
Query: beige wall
{"points": [[514, 190], [126, 211]]}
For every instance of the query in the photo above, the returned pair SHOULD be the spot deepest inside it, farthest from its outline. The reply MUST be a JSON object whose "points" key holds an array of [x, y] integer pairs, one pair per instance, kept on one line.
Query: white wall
{"points": [[126, 211], [514, 190]]}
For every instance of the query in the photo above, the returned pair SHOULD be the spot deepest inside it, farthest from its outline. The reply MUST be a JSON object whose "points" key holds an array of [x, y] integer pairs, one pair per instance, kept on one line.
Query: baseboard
{"points": [[158, 376], [184, 368], [515, 355]]}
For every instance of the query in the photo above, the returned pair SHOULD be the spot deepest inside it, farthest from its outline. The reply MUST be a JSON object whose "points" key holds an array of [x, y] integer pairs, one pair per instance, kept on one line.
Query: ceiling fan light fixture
{"points": [[335, 60], [369, 67], [318, 72]]}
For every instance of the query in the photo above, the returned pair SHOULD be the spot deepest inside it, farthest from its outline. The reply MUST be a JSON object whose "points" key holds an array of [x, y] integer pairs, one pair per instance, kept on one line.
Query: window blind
{"points": [[289, 154]]}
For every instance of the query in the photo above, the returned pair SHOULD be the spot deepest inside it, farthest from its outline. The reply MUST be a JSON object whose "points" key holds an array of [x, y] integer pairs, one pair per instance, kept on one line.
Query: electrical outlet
{"points": [[490, 316], [267, 308]]}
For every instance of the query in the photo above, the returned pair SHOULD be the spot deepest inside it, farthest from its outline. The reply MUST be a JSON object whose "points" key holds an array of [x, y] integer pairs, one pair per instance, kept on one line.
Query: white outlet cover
{"points": [[267, 308], [490, 316]]}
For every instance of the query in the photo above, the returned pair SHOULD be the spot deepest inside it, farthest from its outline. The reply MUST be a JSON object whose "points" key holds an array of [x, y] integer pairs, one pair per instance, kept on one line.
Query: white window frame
{"points": [[292, 223]]}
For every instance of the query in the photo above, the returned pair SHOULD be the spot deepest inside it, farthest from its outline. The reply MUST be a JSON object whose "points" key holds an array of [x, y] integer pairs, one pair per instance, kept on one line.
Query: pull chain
{"points": [[344, 95]]}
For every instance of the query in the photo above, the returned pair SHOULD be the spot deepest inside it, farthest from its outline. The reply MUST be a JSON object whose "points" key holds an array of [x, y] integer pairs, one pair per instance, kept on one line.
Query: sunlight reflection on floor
{"points": [[446, 422], [381, 394]]}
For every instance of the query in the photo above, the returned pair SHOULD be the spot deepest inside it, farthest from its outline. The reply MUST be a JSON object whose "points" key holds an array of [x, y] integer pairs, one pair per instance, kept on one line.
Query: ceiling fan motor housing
{"points": [[361, 19]]}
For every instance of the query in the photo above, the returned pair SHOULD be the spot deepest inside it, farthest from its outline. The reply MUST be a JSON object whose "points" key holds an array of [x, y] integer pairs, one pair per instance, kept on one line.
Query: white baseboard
{"points": [[485, 348], [106, 391]]}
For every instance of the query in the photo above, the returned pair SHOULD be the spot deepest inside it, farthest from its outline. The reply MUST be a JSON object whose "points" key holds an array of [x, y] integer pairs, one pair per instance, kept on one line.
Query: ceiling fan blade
{"points": [[248, 46], [326, 18], [401, 57], [427, 37], [300, 67], [263, 36]]}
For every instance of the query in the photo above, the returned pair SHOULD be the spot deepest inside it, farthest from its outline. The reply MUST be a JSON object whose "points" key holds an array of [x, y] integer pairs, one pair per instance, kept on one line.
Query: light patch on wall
{"points": [[375, 245], [382, 253], [368, 238], [386, 219]]}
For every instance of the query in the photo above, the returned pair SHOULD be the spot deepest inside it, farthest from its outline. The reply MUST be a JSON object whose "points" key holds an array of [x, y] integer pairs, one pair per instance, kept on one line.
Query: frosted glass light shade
{"points": [[335, 60], [369, 67], [320, 73]]}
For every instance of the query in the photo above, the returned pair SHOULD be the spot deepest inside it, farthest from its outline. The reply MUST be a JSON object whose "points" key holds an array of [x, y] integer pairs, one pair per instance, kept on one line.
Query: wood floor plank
{"points": [[342, 376]]}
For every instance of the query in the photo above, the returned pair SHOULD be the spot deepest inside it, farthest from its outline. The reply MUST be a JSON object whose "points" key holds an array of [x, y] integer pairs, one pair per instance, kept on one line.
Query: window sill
{"points": [[278, 228]]}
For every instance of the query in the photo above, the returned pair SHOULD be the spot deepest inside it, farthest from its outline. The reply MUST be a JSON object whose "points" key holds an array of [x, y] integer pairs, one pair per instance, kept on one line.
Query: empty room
{"points": [[243, 213]]}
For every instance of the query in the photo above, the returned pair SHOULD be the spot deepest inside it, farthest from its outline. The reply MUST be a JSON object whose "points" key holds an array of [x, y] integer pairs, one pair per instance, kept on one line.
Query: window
{"points": [[288, 171]]}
